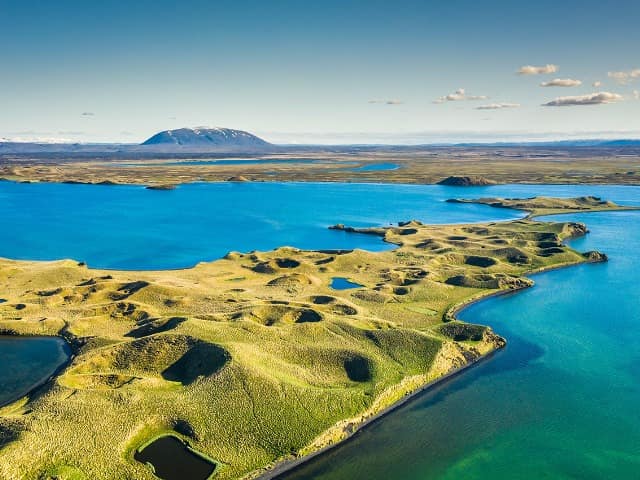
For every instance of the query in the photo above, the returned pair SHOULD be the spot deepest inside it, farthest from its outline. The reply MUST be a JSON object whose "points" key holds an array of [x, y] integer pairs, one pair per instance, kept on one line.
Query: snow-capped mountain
{"points": [[204, 136]]}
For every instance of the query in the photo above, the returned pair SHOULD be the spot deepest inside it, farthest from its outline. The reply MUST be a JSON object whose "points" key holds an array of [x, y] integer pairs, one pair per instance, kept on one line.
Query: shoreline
{"points": [[35, 388], [289, 465], [278, 468], [350, 181], [450, 315]]}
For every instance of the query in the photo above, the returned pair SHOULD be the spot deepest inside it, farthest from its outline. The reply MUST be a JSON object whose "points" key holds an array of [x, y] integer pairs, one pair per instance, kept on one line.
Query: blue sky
{"points": [[324, 71]]}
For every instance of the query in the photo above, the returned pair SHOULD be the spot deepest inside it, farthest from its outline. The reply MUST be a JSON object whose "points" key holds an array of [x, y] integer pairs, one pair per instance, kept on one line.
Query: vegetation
{"points": [[480, 165], [254, 359]]}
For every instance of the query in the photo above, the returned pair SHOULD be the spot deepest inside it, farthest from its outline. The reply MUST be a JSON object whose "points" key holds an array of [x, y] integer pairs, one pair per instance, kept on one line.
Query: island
{"points": [[255, 362]]}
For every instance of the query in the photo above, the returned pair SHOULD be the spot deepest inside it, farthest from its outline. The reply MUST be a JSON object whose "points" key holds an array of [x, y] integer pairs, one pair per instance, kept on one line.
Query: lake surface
{"points": [[233, 161], [372, 167], [560, 401], [27, 362], [172, 460], [341, 283], [130, 227]]}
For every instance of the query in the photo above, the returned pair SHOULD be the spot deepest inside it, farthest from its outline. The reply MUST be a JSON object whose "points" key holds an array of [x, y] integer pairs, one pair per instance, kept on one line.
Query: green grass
{"points": [[261, 366]]}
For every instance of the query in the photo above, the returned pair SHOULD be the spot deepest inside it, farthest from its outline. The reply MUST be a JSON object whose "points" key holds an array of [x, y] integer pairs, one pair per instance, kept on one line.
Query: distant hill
{"points": [[206, 137], [556, 143]]}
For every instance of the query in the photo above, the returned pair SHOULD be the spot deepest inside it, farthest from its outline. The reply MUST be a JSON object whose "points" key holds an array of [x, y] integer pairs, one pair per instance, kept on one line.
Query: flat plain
{"points": [[415, 165]]}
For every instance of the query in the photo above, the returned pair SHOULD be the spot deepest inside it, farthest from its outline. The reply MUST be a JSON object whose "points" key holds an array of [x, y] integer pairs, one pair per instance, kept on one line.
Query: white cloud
{"points": [[561, 82], [35, 139], [497, 106], [87, 114], [636, 95], [459, 95], [387, 102], [596, 98], [533, 70], [625, 78], [597, 84]]}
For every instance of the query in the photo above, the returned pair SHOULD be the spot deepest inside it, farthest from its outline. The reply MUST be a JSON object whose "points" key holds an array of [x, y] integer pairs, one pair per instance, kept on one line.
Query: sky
{"points": [[323, 71]]}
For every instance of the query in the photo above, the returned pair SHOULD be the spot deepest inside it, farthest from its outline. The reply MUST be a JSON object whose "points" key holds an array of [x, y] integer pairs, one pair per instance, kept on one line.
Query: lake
{"points": [[27, 363], [133, 228], [374, 167], [233, 161], [560, 401]]}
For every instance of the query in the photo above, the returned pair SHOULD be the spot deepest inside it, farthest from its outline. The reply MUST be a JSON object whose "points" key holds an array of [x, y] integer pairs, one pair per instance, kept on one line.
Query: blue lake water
{"points": [[232, 161], [130, 227], [341, 283], [561, 401], [27, 362], [371, 167]]}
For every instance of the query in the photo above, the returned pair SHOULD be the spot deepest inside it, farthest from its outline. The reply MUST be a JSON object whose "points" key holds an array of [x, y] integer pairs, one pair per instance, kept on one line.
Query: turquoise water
{"points": [[376, 167], [561, 401], [130, 227], [341, 283], [27, 362]]}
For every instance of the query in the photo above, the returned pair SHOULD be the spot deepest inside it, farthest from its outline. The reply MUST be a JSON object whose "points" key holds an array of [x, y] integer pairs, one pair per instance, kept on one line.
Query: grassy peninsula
{"points": [[253, 359]]}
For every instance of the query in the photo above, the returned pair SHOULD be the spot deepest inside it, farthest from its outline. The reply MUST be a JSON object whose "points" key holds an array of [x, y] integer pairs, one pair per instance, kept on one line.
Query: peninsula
{"points": [[254, 360]]}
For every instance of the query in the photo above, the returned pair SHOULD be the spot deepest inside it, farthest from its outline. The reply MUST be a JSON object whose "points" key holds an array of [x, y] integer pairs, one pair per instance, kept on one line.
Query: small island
{"points": [[473, 181], [305, 365]]}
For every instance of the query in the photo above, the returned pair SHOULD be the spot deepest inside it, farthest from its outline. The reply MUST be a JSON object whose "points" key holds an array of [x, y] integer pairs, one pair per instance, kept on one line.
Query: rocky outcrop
{"points": [[595, 256], [238, 178], [473, 181], [161, 187]]}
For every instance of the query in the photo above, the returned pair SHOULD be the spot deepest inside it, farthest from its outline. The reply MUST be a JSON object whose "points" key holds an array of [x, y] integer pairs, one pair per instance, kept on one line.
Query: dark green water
{"points": [[27, 362], [172, 460], [562, 401]]}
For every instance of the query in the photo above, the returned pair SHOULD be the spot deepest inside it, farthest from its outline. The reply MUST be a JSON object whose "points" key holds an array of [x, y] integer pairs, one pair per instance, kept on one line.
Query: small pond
{"points": [[341, 283], [172, 459]]}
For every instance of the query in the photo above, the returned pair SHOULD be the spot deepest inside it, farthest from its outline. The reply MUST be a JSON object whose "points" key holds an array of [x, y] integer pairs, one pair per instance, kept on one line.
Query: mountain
{"points": [[206, 137]]}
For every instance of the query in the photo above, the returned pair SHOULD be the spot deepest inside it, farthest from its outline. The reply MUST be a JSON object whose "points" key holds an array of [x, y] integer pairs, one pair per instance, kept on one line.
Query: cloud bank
{"points": [[597, 98], [541, 70], [497, 106], [624, 78], [387, 102], [562, 82], [459, 95]]}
